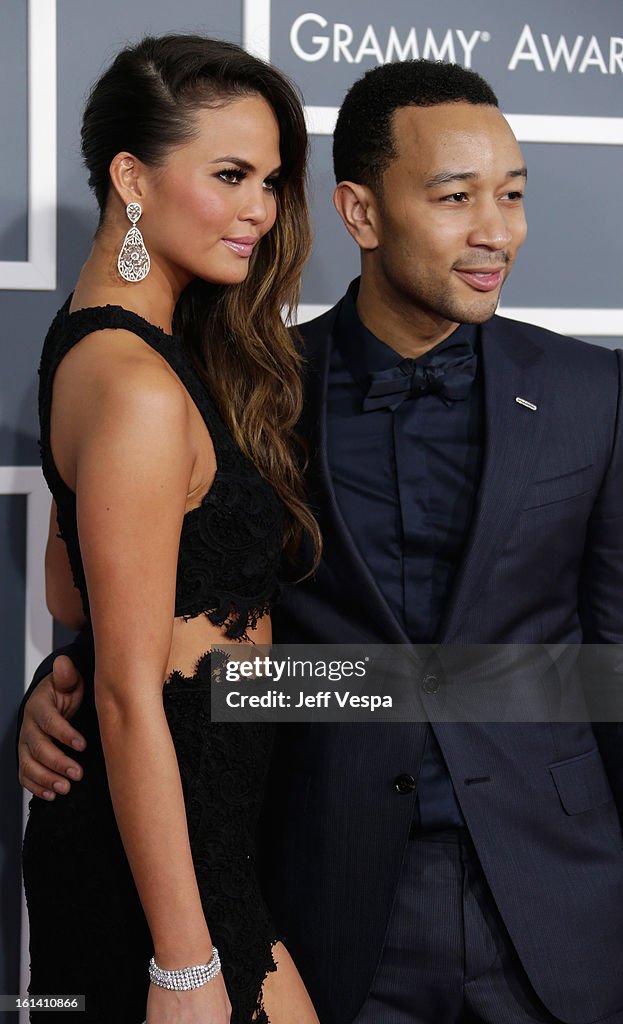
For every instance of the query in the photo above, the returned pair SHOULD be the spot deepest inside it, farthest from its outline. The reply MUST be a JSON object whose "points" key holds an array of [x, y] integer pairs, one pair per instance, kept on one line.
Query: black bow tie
{"points": [[450, 379]]}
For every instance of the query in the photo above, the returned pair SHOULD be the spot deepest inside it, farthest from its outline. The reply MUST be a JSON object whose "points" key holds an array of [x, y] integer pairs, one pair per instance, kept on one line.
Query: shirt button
{"points": [[430, 683], [405, 783]]}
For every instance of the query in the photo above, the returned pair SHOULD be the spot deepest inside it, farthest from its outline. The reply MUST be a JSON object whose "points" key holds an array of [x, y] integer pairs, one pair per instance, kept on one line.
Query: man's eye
{"points": [[456, 197], [515, 196]]}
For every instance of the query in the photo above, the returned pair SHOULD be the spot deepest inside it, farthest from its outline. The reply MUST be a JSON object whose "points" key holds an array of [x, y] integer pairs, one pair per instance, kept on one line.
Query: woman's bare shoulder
{"points": [[117, 366]]}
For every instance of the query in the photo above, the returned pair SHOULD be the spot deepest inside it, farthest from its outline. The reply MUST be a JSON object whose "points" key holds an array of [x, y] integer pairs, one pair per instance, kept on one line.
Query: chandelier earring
{"points": [[133, 262]]}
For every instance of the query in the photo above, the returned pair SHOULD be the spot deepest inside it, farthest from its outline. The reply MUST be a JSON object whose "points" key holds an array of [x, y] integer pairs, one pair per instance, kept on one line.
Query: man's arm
{"points": [[55, 693], [52, 698]]}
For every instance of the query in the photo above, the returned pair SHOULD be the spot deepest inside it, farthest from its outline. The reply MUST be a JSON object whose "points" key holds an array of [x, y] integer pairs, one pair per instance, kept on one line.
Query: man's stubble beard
{"points": [[443, 303], [466, 313]]}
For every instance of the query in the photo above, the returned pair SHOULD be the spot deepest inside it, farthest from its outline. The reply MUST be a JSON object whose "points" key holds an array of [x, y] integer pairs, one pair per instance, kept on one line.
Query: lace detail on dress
{"points": [[230, 546]]}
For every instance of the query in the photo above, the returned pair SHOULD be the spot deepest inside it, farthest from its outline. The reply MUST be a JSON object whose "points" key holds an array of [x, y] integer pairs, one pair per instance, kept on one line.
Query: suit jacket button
{"points": [[405, 783], [430, 683]]}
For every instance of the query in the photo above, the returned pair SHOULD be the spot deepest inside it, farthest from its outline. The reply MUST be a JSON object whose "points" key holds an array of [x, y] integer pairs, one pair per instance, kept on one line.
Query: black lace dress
{"points": [[88, 934]]}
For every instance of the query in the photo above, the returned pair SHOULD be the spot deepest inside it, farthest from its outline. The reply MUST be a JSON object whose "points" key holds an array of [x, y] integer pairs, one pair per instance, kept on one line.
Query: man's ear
{"points": [[127, 178], [357, 206]]}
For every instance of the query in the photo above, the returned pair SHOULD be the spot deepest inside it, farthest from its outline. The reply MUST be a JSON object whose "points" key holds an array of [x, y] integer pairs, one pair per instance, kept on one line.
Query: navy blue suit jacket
{"points": [[543, 565]]}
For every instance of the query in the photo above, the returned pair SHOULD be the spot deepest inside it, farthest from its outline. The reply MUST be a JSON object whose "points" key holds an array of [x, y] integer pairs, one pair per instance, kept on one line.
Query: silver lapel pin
{"points": [[524, 401]]}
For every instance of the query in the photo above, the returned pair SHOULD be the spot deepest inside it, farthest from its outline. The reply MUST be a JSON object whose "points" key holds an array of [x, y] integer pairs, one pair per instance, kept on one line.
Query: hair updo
{"points": [[145, 104]]}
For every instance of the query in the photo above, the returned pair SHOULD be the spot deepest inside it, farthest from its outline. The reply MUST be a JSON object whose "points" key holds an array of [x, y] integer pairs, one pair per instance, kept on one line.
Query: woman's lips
{"points": [[241, 246], [481, 280]]}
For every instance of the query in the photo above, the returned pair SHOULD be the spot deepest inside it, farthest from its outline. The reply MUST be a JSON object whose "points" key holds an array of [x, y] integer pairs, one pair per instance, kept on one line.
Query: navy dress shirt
{"points": [[405, 481]]}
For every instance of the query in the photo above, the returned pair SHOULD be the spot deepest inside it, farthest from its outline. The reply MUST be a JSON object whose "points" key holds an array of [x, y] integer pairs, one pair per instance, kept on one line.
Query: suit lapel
{"points": [[340, 547], [513, 434]]}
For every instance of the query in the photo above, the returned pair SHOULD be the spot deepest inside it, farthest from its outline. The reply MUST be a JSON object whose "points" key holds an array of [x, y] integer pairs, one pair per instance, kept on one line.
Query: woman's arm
{"points": [[133, 465], [61, 596]]}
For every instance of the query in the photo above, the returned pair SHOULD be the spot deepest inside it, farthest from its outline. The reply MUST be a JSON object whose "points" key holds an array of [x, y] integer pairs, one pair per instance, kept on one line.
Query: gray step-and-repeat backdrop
{"points": [[557, 66]]}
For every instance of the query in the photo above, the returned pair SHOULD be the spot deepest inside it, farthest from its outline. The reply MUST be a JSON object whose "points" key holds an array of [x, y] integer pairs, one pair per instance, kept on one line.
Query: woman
{"points": [[168, 387]]}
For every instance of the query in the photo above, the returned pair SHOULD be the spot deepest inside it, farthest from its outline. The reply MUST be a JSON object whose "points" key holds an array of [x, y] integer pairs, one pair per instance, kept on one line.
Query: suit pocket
{"points": [[550, 490], [581, 782]]}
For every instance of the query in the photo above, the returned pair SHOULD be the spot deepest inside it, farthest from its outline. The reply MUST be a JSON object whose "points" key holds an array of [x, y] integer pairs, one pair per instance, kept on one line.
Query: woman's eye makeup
{"points": [[273, 183], [232, 175], [235, 176]]}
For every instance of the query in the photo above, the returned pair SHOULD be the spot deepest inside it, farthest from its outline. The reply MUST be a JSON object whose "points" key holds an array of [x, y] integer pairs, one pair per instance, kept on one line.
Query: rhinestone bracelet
{"points": [[185, 978]]}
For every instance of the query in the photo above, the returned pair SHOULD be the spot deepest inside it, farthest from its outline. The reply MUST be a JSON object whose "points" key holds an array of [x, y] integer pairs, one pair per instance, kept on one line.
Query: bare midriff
{"points": [[193, 637]]}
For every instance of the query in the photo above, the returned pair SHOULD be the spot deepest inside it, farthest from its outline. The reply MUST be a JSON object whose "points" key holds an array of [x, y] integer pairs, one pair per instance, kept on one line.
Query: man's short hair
{"points": [[363, 144]]}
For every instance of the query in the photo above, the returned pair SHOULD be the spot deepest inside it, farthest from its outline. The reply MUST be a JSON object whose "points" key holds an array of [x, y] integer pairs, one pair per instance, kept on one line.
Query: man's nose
{"points": [[491, 227]]}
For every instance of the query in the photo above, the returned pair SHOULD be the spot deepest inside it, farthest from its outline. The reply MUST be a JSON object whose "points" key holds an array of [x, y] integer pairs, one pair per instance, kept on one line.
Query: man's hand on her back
{"points": [[44, 770]]}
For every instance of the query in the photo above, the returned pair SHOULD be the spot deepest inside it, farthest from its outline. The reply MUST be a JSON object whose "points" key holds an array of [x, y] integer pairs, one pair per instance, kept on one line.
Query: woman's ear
{"points": [[356, 205], [127, 177]]}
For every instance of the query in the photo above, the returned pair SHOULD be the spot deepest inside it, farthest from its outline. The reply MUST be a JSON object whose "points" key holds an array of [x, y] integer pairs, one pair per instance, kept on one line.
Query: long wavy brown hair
{"points": [[236, 334]]}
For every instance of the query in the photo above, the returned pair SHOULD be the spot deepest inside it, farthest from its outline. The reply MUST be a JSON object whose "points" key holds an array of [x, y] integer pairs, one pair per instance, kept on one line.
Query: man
{"points": [[466, 473]]}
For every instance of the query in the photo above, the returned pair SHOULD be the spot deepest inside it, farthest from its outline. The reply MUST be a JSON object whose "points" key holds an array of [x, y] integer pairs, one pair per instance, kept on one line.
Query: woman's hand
{"points": [[208, 1004]]}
